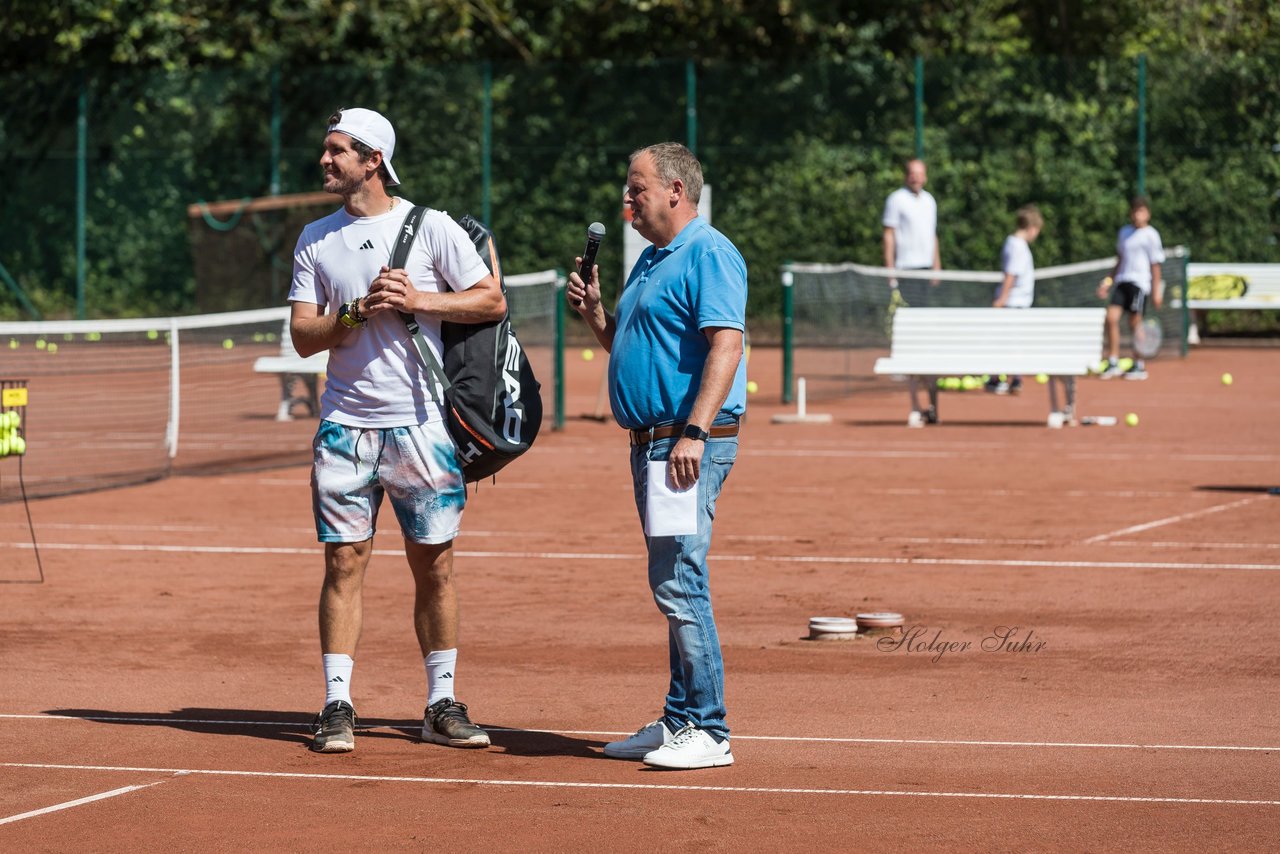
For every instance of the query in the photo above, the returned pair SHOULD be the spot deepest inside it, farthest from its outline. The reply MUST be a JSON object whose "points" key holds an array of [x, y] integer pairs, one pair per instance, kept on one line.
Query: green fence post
{"points": [[276, 123], [919, 107], [788, 364], [558, 424], [18, 292], [1142, 125], [691, 105], [82, 189], [486, 148]]}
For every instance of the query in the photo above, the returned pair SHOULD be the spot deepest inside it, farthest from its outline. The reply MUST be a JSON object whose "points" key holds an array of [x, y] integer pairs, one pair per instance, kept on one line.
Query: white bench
{"points": [[929, 342], [292, 369]]}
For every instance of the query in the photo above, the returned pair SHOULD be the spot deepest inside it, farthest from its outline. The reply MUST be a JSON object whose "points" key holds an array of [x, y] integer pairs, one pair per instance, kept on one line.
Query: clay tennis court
{"points": [[157, 688]]}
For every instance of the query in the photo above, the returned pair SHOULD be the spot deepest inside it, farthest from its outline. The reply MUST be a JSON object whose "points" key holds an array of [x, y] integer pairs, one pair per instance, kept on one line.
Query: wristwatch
{"points": [[349, 314], [693, 431]]}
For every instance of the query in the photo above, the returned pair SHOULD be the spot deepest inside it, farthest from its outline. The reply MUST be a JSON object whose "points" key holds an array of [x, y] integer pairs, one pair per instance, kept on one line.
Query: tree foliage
{"points": [[805, 113]]}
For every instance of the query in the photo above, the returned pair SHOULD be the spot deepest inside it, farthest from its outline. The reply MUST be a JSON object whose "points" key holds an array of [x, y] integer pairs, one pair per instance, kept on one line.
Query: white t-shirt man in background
{"points": [[381, 430], [1018, 287], [911, 232], [1133, 282]]}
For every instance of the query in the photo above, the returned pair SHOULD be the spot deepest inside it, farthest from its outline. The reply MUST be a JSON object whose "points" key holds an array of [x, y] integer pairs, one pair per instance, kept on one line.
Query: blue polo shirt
{"points": [[659, 349]]}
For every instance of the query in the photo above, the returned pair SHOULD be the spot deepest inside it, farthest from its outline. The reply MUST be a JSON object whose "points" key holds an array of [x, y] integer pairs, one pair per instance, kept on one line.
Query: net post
{"points": [[788, 280], [175, 385], [558, 423], [1185, 347]]}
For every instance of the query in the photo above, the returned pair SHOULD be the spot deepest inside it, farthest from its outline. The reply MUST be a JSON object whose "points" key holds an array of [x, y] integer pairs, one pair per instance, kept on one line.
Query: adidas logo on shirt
{"points": [[368, 244]]}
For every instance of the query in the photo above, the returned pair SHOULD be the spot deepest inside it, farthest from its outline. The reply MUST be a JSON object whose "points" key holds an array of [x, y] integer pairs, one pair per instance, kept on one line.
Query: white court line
{"points": [[417, 724], [558, 784], [102, 796], [1169, 520], [779, 538], [723, 558]]}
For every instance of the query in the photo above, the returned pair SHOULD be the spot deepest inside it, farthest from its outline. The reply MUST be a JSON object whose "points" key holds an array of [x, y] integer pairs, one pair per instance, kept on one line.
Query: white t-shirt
{"points": [[1015, 258], [914, 220], [376, 377], [1138, 249]]}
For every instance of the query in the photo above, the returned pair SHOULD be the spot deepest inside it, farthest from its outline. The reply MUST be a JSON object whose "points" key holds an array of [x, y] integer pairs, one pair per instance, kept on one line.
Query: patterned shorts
{"points": [[415, 466]]}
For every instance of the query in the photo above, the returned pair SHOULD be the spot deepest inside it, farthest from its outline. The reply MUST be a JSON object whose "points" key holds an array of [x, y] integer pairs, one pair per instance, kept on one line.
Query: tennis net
{"points": [[118, 402], [838, 318]]}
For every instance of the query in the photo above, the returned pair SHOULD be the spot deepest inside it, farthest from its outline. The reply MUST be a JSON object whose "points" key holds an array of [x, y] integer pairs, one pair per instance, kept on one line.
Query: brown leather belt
{"points": [[666, 431]]}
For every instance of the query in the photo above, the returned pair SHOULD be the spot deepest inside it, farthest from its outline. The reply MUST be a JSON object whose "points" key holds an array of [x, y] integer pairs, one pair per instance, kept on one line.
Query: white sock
{"points": [[440, 665], [337, 677]]}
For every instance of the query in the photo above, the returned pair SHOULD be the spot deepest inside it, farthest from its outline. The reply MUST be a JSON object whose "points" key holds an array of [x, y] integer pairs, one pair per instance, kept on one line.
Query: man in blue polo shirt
{"points": [[678, 383]]}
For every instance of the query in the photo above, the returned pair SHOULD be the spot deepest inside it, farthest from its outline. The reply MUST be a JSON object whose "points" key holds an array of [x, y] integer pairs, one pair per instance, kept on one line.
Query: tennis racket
{"points": [[1148, 337]]}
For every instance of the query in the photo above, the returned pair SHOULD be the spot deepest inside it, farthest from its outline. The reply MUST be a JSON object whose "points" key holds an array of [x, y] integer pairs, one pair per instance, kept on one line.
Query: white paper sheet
{"points": [[667, 512]]}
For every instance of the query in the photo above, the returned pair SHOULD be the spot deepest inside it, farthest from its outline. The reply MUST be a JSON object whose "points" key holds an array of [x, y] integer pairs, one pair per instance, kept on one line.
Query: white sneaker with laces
{"points": [[690, 748], [645, 740]]}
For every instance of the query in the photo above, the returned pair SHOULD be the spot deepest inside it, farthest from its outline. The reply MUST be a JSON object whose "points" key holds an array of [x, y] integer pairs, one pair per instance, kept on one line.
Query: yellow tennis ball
{"points": [[13, 344], [1131, 419], [752, 388], [588, 354], [52, 348], [152, 335], [18, 445], [1227, 379], [1042, 378], [227, 343], [40, 344]]}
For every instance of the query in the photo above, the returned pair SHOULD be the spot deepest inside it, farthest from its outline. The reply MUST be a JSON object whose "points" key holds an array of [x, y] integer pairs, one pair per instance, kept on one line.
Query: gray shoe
{"points": [[446, 722], [335, 729]]}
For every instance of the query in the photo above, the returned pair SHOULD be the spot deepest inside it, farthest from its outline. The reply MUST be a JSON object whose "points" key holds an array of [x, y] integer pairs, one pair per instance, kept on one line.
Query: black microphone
{"points": [[595, 233]]}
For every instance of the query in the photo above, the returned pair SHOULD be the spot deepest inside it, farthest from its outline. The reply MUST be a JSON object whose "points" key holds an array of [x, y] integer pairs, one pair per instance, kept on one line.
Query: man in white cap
{"points": [[381, 429]]}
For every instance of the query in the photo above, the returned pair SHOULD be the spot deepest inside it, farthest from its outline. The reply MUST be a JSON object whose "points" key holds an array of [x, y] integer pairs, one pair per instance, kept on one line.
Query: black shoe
{"points": [[446, 722], [335, 729], [931, 415]]}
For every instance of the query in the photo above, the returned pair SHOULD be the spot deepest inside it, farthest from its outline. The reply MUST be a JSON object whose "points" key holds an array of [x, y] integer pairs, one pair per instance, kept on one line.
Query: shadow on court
{"points": [[295, 727]]}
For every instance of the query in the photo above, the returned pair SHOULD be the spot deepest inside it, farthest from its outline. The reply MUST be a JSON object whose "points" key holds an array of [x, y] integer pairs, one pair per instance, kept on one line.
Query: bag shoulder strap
{"points": [[408, 231]]}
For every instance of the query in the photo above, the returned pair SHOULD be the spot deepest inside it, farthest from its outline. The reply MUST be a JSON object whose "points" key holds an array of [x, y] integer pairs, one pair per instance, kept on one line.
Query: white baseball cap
{"points": [[373, 129]]}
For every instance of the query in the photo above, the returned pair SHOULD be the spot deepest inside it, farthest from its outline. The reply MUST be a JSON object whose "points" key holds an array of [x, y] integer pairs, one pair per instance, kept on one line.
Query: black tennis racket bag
{"points": [[493, 404]]}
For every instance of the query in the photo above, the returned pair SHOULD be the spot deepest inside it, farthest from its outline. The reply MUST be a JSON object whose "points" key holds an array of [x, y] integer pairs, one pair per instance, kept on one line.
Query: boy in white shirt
{"points": [[1018, 288], [1136, 277]]}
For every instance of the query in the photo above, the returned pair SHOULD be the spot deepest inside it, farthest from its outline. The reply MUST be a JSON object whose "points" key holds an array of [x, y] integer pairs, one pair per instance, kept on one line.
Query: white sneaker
{"points": [[915, 419], [690, 748], [645, 740]]}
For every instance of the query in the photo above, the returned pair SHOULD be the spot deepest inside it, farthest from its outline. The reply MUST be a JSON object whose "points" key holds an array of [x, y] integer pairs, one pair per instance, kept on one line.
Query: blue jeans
{"points": [[680, 583]]}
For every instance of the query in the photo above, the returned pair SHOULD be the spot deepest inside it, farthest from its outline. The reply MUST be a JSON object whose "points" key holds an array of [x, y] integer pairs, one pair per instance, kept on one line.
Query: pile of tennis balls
{"points": [[11, 442]]}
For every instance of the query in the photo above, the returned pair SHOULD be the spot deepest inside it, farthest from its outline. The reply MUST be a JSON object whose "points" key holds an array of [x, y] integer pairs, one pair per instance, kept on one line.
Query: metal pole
{"points": [[486, 148], [691, 106], [788, 366], [919, 107], [276, 120], [82, 189], [1142, 124]]}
